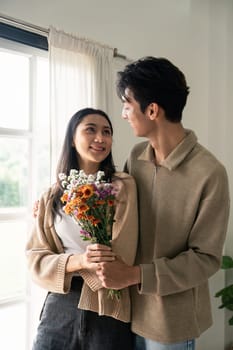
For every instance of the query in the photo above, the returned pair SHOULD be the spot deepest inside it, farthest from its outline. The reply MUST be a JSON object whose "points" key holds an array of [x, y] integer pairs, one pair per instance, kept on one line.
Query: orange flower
{"points": [[87, 191], [100, 202], [93, 220], [77, 201], [68, 209], [80, 216], [83, 208], [96, 221], [64, 197], [111, 203]]}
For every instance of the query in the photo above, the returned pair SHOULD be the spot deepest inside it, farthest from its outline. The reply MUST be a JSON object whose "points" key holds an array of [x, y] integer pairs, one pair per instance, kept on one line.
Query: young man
{"points": [[183, 211]]}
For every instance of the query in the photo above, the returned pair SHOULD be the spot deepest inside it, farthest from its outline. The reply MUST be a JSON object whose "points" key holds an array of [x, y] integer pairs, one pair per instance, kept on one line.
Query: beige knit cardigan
{"points": [[47, 259]]}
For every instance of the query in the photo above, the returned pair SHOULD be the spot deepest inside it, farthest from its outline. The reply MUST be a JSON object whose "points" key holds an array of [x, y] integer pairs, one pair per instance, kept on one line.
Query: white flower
{"points": [[99, 175], [78, 177], [64, 183], [73, 172], [91, 178], [62, 176]]}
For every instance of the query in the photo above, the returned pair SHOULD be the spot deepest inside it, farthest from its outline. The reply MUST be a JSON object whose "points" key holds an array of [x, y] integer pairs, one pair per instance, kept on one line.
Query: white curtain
{"points": [[80, 76]]}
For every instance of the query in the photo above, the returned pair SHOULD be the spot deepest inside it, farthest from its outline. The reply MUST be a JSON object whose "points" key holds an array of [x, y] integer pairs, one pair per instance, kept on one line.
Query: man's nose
{"points": [[124, 114]]}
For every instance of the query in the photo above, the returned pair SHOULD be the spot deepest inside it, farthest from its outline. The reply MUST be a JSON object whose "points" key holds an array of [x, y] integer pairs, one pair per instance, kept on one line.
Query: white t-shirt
{"points": [[69, 232]]}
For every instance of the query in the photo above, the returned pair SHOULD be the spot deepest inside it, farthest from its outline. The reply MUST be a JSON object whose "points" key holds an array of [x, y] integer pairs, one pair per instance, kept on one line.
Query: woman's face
{"points": [[92, 141]]}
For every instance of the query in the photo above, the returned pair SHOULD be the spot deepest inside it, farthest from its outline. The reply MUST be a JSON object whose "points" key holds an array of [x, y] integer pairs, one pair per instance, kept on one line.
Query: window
{"points": [[24, 174]]}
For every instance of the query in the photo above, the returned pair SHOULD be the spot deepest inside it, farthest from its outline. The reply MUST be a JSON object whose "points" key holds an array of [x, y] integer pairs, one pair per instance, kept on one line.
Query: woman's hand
{"points": [[89, 260]]}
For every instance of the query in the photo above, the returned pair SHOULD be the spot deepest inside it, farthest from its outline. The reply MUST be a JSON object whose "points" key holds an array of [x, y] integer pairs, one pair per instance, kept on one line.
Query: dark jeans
{"points": [[65, 327], [147, 344]]}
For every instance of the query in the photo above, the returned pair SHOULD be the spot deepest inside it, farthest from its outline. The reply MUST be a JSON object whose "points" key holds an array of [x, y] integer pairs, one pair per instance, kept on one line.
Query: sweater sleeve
{"points": [[44, 252], [202, 253]]}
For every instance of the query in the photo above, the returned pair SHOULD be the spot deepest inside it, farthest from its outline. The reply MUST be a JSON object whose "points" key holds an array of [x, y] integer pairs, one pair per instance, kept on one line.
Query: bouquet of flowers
{"points": [[90, 201]]}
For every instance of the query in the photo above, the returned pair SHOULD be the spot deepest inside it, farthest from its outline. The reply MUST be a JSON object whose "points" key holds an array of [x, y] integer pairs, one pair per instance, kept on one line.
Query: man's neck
{"points": [[166, 141]]}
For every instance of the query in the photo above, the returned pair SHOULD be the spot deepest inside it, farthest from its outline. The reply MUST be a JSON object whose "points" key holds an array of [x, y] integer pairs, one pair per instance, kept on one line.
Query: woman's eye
{"points": [[107, 132], [90, 130]]}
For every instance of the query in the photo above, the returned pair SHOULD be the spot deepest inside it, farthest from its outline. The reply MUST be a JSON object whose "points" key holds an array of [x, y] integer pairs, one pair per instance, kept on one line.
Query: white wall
{"points": [[197, 36], [123, 138]]}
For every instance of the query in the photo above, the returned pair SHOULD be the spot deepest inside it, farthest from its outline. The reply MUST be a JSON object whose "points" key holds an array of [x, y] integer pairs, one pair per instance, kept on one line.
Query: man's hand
{"points": [[118, 275]]}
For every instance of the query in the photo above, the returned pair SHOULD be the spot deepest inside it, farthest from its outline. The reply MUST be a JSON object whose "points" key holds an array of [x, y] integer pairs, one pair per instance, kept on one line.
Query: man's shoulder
{"points": [[207, 163], [205, 156], [139, 147]]}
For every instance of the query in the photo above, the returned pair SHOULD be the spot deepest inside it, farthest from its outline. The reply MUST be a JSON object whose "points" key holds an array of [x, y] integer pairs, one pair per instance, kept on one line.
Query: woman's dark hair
{"points": [[157, 80], [68, 157]]}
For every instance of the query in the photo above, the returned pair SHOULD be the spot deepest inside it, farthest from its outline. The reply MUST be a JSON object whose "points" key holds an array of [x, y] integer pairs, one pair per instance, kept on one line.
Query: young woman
{"points": [[78, 313]]}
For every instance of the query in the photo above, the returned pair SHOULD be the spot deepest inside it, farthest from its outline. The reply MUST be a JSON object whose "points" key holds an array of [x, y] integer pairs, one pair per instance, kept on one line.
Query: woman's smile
{"points": [[97, 148]]}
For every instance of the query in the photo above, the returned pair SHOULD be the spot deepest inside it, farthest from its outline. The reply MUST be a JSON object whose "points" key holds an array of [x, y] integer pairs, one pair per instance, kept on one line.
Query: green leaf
{"points": [[227, 297], [226, 291], [227, 262], [231, 321]]}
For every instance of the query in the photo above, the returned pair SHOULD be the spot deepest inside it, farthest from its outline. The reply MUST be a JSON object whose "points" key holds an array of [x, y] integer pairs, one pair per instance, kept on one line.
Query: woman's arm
{"points": [[50, 266]]}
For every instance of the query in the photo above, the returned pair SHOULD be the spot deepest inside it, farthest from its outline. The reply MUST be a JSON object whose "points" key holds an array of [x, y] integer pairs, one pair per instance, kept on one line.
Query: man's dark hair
{"points": [[155, 80]]}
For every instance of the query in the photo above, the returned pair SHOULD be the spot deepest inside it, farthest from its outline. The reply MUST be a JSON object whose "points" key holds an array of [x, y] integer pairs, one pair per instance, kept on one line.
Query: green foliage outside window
{"points": [[13, 173], [9, 194]]}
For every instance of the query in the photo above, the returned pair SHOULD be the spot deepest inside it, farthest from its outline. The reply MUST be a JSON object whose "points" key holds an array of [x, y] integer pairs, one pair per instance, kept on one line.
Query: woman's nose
{"points": [[99, 137]]}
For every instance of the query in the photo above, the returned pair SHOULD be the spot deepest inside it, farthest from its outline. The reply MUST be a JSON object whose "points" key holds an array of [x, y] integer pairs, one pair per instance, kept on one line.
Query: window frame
{"points": [[23, 36], [27, 134], [30, 299], [23, 213]]}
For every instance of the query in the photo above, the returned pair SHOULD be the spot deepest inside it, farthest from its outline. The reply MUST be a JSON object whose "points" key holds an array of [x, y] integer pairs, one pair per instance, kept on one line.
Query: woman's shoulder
{"points": [[47, 194]]}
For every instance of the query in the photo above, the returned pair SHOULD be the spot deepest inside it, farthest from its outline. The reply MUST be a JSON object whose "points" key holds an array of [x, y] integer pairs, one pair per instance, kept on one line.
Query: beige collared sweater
{"points": [[183, 216], [47, 260]]}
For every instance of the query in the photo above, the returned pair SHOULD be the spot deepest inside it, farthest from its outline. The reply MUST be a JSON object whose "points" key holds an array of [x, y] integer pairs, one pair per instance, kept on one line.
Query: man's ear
{"points": [[152, 110]]}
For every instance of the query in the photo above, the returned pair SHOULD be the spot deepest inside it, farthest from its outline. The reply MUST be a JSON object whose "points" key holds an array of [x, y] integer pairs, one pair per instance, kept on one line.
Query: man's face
{"points": [[131, 111]]}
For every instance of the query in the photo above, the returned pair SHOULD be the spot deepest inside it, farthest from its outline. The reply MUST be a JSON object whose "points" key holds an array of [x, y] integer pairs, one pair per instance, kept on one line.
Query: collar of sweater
{"points": [[176, 157]]}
